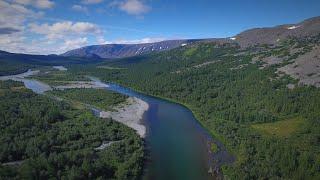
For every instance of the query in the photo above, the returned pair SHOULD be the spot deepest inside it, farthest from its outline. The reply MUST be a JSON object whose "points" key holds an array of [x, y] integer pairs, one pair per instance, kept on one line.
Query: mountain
{"points": [[111, 51], [3, 52], [44, 59], [251, 37], [274, 35]]}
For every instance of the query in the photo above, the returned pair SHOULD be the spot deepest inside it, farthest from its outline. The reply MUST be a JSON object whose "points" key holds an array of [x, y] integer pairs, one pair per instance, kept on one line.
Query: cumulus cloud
{"points": [[62, 36], [12, 42], [14, 15], [132, 7], [41, 4], [101, 40], [73, 44], [21, 32], [91, 1], [20, 44], [136, 41], [12, 19], [60, 30], [80, 8]]}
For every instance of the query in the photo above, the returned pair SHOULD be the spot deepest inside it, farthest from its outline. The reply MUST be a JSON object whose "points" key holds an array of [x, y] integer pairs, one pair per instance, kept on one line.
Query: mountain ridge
{"points": [[111, 51], [274, 35], [251, 37]]}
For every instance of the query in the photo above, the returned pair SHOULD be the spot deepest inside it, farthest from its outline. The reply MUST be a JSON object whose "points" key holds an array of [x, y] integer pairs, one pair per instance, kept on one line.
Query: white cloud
{"points": [[19, 44], [62, 36], [20, 33], [136, 41], [60, 30], [14, 15], [41, 4], [91, 1], [12, 42], [73, 44], [132, 7], [44, 4], [80, 8], [101, 40]]}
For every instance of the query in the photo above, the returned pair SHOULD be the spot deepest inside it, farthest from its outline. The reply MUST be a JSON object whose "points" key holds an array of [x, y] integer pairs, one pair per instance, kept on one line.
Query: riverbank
{"points": [[130, 114], [224, 154], [81, 84], [25, 74]]}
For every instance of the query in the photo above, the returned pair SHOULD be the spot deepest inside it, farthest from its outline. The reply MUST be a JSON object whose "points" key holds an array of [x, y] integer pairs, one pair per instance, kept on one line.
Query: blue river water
{"points": [[178, 146]]}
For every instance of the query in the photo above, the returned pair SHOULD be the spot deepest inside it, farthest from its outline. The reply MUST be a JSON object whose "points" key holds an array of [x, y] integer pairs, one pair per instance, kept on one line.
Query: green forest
{"points": [[99, 98], [237, 101], [42, 138]]}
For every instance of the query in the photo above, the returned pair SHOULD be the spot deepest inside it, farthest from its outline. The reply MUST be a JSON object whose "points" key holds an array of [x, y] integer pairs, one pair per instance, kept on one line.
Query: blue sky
{"points": [[55, 26]]}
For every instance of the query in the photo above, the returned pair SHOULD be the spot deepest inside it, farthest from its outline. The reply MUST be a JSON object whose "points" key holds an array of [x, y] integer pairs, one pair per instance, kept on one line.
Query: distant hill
{"points": [[44, 59], [111, 51], [12, 63], [273, 35]]}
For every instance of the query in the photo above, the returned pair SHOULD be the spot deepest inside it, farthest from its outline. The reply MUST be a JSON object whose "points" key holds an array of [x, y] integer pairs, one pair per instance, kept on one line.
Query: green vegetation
{"points": [[232, 103], [8, 67], [17, 63], [55, 77], [46, 139], [214, 148], [282, 128], [109, 67], [274, 131], [100, 98]]}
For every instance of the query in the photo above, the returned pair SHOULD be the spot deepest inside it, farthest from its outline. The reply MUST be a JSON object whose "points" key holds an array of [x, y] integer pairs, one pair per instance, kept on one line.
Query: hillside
{"points": [[262, 101], [111, 51], [274, 35], [13, 63]]}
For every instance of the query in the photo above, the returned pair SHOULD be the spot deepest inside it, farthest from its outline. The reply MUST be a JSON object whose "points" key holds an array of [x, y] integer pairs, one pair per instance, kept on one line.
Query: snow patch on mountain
{"points": [[293, 27]]}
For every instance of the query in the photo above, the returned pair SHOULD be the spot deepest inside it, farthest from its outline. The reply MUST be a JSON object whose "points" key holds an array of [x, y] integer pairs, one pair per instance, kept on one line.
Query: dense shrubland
{"points": [[45, 139]]}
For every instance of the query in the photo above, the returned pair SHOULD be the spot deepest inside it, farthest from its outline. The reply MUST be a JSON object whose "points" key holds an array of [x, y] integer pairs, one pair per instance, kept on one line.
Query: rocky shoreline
{"points": [[130, 114]]}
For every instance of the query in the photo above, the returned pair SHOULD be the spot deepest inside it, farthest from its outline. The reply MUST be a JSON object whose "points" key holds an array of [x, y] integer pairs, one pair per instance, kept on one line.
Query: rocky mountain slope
{"points": [[273, 35]]}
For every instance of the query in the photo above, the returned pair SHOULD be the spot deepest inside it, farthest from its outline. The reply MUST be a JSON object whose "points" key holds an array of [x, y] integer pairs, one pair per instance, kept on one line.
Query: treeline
{"points": [[55, 77], [12, 63], [46, 139], [10, 68], [230, 95]]}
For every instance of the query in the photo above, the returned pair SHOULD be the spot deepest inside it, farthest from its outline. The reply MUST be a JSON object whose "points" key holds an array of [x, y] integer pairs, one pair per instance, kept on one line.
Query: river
{"points": [[178, 147], [36, 86]]}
